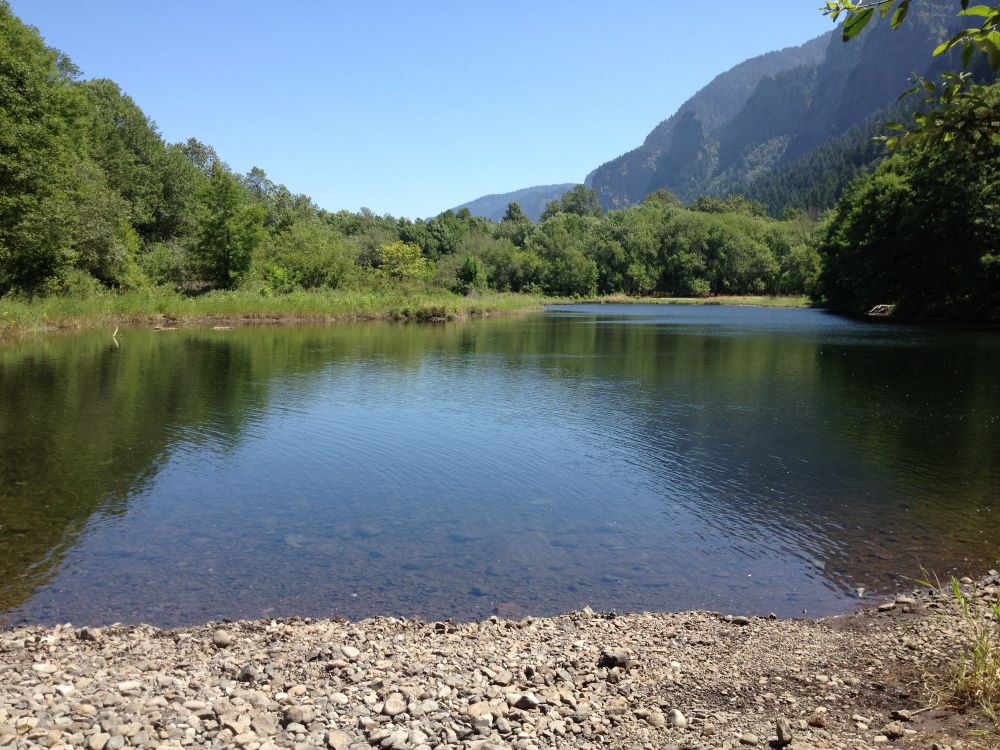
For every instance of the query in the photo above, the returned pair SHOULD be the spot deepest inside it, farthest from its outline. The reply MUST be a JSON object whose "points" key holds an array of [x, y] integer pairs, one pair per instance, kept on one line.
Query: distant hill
{"points": [[532, 200]]}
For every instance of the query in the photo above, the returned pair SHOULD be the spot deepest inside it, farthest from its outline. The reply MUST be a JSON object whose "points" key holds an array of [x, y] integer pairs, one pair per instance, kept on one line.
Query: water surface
{"points": [[660, 457]]}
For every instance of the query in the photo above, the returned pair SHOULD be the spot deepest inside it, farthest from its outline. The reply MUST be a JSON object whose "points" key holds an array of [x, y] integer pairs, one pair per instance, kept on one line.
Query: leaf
{"points": [[991, 44], [977, 10], [900, 14], [967, 55], [856, 22]]}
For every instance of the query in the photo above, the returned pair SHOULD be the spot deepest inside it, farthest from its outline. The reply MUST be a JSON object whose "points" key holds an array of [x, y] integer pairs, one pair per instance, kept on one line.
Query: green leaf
{"points": [[900, 14], [991, 44], [967, 55], [856, 22], [977, 10]]}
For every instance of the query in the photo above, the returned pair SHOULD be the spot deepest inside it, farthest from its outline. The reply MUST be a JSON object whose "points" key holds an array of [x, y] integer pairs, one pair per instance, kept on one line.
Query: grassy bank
{"points": [[756, 301], [25, 317], [20, 317]]}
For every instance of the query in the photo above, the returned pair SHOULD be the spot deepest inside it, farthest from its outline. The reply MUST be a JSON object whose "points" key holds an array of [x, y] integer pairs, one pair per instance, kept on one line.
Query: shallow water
{"points": [[635, 457]]}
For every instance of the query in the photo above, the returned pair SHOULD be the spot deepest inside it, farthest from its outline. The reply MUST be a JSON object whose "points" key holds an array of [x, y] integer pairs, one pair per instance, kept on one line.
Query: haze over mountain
{"points": [[788, 128], [532, 200]]}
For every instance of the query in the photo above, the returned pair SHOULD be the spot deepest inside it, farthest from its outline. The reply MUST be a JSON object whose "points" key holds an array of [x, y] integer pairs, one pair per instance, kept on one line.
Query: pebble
{"points": [[784, 731], [676, 719], [581, 680]]}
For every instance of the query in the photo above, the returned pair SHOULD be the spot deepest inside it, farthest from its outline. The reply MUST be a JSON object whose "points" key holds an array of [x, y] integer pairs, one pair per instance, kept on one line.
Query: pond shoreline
{"points": [[166, 309], [582, 680]]}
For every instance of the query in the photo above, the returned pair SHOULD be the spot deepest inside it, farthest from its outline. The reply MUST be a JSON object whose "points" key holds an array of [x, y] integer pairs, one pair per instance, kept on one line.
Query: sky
{"points": [[412, 108]]}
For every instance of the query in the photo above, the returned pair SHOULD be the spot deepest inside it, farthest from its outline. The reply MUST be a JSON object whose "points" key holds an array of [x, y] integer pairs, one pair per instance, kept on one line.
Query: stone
{"points": [[88, 634], [222, 638], [337, 739], [528, 702], [612, 659], [394, 705], [784, 731], [298, 715], [248, 674], [894, 730], [676, 719]]}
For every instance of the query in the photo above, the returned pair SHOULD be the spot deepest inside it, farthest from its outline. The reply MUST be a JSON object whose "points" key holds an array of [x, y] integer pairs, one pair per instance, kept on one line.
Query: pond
{"points": [[624, 457]]}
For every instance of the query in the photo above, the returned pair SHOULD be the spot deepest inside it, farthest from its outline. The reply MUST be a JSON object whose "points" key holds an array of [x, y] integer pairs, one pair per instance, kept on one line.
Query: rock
{"points": [[612, 659], [88, 634], [298, 715], [222, 638], [338, 740], [528, 702], [894, 730], [248, 674], [676, 719], [394, 705], [784, 731]]}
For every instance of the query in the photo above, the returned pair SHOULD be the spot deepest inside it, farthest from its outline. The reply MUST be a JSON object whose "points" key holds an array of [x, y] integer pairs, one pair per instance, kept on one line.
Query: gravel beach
{"points": [[582, 680]]}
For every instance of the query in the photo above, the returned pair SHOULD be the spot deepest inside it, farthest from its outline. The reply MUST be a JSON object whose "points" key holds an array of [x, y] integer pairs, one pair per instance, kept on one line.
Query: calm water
{"points": [[666, 458]]}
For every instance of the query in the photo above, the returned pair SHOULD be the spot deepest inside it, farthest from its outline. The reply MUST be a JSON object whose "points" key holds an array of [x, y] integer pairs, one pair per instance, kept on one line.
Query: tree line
{"points": [[92, 198]]}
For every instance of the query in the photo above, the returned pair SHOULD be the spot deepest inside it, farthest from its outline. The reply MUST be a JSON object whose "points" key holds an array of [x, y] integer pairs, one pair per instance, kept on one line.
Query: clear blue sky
{"points": [[411, 108]]}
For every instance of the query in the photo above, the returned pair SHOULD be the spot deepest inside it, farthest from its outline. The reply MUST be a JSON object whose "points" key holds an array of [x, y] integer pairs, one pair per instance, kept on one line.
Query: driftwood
{"points": [[882, 311]]}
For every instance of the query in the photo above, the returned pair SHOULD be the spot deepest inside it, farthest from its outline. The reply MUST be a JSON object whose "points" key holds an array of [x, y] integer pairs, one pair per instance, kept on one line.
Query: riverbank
{"points": [[764, 300], [584, 680], [158, 306], [165, 307]]}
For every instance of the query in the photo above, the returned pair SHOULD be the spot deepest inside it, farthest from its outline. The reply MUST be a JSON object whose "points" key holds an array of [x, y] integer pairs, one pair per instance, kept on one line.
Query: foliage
{"points": [[402, 261], [920, 233], [956, 106], [229, 231], [581, 201]]}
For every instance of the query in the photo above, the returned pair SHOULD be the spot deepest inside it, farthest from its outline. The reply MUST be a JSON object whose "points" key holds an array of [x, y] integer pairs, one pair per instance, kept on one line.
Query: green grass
{"points": [[24, 317], [973, 680], [19, 317], [757, 301]]}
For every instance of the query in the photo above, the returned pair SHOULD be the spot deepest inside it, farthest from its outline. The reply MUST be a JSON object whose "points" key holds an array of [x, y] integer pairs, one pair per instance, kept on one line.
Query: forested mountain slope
{"points": [[813, 119]]}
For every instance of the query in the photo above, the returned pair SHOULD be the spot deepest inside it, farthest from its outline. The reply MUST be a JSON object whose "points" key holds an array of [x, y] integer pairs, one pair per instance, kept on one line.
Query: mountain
{"points": [[625, 180], [802, 117], [532, 200]]}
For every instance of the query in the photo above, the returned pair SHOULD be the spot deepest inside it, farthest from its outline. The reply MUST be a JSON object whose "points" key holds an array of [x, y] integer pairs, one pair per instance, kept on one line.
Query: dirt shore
{"points": [[583, 680]]}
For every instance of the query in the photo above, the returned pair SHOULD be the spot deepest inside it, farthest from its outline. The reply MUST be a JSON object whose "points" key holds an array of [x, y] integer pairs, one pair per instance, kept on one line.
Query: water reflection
{"points": [[626, 458]]}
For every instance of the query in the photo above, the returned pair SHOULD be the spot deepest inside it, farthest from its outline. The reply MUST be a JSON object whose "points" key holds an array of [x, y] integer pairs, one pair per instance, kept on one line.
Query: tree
{"points": [[920, 233], [514, 213], [581, 201], [230, 230], [402, 262]]}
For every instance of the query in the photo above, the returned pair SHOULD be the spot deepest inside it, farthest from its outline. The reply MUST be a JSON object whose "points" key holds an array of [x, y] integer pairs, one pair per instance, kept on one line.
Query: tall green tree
{"points": [[230, 229], [581, 201]]}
